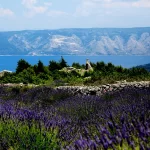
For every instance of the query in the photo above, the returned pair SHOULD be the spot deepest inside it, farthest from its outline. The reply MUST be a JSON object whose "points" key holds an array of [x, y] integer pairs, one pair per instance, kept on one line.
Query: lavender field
{"points": [[43, 118]]}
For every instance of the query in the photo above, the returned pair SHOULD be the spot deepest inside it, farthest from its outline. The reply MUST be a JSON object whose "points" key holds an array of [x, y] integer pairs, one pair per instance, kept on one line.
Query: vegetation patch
{"points": [[59, 73]]}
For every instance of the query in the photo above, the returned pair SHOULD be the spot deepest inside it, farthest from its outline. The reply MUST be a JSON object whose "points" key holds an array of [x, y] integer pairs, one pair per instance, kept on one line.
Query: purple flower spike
{"points": [[141, 147], [122, 119], [105, 145], [110, 124]]}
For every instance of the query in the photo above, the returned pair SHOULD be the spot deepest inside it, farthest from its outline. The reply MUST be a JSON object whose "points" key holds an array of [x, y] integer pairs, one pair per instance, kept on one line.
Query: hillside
{"points": [[146, 66], [90, 41]]}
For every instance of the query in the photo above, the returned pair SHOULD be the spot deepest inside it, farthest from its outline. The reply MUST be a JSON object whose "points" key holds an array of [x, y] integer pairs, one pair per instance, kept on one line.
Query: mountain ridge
{"points": [[76, 41]]}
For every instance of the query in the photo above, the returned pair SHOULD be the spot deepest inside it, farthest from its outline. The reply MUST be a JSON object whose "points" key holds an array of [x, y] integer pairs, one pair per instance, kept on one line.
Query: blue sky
{"points": [[55, 14]]}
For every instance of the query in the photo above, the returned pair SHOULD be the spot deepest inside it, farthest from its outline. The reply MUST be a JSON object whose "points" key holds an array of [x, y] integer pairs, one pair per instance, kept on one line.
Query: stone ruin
{"points": [[88, 65]]}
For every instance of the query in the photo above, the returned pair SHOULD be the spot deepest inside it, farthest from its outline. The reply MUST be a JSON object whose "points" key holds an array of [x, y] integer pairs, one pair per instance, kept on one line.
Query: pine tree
{"points": [[63, 63], [40, 67], [21, 65]]}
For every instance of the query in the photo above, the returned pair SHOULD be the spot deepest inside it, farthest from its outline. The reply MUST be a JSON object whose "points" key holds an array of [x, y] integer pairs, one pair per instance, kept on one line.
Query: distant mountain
{"points": [[146, 66], [91, 41]]}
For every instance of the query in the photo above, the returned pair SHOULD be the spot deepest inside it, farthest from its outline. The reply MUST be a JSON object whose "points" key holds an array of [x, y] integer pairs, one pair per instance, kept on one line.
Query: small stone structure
{"points": [[80, 71], [88, 65], [68, 69]]}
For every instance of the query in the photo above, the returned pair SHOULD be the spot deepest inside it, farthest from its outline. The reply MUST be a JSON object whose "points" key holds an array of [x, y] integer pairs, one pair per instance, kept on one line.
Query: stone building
{"points": [[88, 65]]}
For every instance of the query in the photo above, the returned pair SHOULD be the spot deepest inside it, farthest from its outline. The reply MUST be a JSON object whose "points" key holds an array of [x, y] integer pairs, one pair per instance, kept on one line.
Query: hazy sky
{"points": [[54, 14]]}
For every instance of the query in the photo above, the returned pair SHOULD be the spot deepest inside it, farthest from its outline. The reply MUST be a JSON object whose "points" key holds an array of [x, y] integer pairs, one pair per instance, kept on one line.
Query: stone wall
{"points": [[102, 89]]}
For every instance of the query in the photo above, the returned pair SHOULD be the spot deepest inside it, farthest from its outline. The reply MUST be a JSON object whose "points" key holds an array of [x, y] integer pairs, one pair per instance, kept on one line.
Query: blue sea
{"points": [[10, 62]]}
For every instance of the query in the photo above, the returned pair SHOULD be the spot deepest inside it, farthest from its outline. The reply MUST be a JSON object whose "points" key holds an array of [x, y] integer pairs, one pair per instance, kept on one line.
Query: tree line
{"points": [[102, 73]]}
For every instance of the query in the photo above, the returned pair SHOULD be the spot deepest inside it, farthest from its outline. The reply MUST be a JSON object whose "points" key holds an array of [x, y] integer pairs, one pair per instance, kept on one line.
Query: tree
{"points": [[76, 65], [53, 65], [62, 63], [40, 67], [101, 66], [110, 67], [35, 69], [119, 69], [22, 65]]}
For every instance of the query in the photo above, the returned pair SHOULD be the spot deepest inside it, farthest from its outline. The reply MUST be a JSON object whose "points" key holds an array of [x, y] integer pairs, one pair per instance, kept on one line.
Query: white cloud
{"points": [[29, 3], [142, 3], [89, 7], [54, 13], [33, 9], [39, 9], [48, 4], [6, 12], [125, 4]]}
